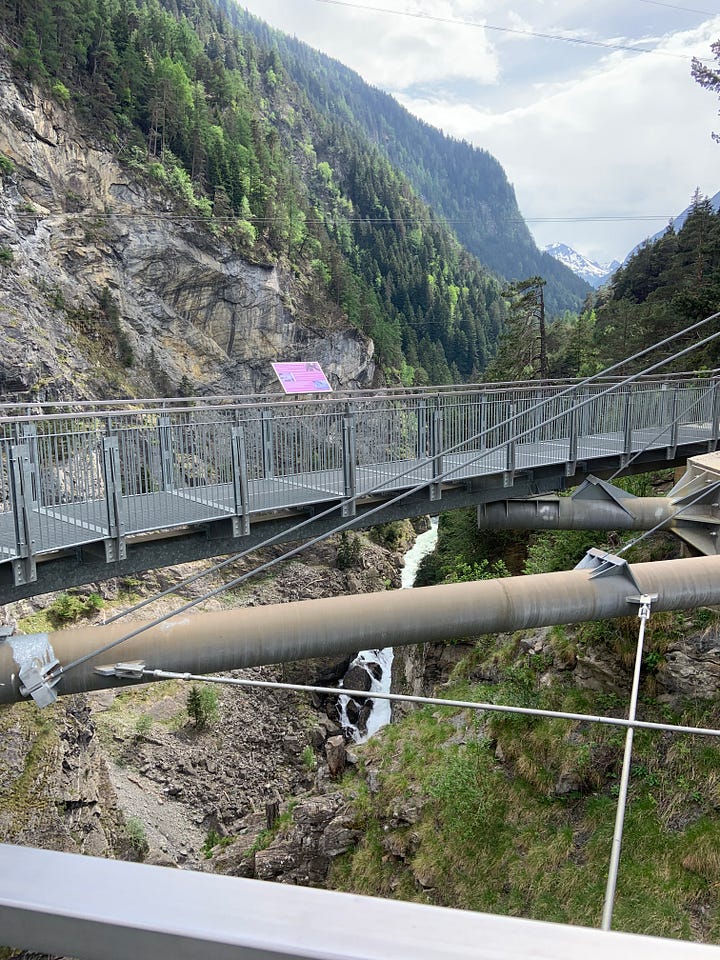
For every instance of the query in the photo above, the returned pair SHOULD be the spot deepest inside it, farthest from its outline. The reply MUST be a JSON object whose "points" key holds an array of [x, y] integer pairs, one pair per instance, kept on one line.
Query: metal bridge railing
{"points": [[68, 480]]}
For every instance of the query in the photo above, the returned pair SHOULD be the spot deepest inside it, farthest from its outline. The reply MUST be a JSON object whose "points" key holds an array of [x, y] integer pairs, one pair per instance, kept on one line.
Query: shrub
{"points": [[202, 705], [68, 607], [7, 167], [143, 725], [349, 550], [136, 835], [6, 255], [61, 93]]}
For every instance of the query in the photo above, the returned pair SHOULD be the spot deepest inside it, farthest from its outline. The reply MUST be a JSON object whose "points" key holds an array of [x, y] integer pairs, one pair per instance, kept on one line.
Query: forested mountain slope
{"points": [[183, 99], [668, 284], [464, 185]]}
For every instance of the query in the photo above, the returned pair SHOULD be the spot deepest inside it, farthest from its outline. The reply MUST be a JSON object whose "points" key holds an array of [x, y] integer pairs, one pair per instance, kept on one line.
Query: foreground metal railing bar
{"points": [[110, 910]]}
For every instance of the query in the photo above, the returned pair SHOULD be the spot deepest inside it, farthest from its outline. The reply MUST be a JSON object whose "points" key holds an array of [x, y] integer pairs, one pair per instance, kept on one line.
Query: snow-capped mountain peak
{"points": [[593, 273]]}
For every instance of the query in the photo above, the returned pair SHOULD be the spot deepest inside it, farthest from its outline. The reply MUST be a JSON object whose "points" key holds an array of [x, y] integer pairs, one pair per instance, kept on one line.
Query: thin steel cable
{"points": [[271, 541], [437, 702], [403, 495], [676, 513], [645, 605]]}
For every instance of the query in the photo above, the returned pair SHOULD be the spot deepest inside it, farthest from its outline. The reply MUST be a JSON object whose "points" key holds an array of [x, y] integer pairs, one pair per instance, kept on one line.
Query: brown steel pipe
{"points": [[250, 636]]}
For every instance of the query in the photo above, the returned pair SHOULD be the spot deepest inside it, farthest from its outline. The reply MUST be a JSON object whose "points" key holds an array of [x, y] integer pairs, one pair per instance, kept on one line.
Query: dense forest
{"points": [[213, 116], [668, 284], [463, 184]]}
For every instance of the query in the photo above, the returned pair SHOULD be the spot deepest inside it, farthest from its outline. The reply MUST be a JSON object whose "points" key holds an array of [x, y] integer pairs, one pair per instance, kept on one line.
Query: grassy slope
{"points": [[515, 816]]}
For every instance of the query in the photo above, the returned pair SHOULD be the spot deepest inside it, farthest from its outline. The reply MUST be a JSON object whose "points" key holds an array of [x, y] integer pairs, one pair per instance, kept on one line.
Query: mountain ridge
{"points": [[594, 273]]}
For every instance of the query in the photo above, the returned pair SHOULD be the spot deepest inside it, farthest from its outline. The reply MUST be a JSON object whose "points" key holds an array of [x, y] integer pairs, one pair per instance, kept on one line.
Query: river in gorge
{"points": [[359, 723]]}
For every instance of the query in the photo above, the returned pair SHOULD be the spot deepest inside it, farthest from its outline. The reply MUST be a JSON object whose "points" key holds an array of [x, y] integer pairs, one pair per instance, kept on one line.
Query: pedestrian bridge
{"points": [[89, 491]]}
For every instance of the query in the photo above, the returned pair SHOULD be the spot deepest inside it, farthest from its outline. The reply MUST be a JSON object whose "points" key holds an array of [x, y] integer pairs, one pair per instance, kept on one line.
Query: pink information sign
{"points": [[302, 378]]}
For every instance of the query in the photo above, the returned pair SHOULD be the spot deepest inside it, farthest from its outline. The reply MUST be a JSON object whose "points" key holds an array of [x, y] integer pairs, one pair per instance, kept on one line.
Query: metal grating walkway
{"points": [[99, 476]]}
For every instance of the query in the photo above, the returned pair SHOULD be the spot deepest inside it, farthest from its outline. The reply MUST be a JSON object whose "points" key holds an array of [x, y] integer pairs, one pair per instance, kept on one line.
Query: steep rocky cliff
{"points": [[108, 289], [126, 774]]}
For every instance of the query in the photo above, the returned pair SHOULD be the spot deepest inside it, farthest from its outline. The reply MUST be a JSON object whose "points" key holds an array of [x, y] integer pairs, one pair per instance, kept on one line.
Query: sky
{"points": [[585, 131]]}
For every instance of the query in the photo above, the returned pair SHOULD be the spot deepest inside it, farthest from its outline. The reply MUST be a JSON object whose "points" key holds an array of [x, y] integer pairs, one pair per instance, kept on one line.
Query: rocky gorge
{"points": [[127, 774]]}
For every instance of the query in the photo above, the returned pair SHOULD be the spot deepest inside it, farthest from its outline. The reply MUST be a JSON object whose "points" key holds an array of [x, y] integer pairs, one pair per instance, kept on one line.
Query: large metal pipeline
{"points": [[214, 642], [691, 510], [567, 513]]}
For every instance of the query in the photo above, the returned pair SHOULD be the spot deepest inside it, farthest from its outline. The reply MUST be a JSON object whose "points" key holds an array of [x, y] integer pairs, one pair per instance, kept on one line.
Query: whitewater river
{"points": [[380, 713]]}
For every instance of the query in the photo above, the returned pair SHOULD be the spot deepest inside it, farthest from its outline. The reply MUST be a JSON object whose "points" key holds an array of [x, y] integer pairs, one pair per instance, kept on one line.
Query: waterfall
{"points": [[360, 720]]}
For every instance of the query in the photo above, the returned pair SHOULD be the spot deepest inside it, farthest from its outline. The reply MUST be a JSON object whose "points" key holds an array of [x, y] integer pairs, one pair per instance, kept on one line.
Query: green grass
{"points": [[493, 835]]}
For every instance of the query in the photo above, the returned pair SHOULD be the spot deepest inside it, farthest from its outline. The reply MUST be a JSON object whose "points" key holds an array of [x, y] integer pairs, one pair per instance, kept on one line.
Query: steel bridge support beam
{"points": [[690, 511], [251, 636]]}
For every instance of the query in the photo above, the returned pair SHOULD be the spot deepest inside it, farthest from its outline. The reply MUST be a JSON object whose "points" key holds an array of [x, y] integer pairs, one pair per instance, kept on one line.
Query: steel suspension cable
{"points": [[58, 671], [435, 702], [271, 541]]}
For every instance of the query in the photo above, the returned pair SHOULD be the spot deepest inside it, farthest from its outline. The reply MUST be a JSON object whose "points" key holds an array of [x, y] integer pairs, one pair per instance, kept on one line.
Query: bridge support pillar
{"points": [[241, 520], [115, 546]]}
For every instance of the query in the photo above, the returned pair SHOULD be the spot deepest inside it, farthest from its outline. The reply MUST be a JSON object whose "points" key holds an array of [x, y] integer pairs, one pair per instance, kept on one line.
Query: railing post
{"points": [[423, 439], [21, 484], [436, 452], [715, 427], [115, 546], [509, 474], [571, 464], [628, 415], [483, 420], [349, 448], [167, 472], [538, 417], [266, 427], [241, 520], [29, 438], [671, 449]]}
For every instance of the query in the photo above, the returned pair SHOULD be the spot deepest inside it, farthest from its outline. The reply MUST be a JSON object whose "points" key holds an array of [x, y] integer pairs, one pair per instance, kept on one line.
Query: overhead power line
{"points": [[675, 6], [535, 34], [258, 221]]}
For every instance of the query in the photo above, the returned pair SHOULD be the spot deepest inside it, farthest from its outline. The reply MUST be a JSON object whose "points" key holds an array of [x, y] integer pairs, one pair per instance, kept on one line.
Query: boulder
{"points": [[336, 754]]}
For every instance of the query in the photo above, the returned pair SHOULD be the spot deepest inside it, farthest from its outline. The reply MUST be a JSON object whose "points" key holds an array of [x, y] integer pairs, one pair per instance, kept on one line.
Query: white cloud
{"points": [[579, 131], [392, 51], [629, 138]]}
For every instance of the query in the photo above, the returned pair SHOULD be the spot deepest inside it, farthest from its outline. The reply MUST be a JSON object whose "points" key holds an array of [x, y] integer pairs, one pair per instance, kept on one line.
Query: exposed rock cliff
{"points": [[108, 289], [126, 773]]}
